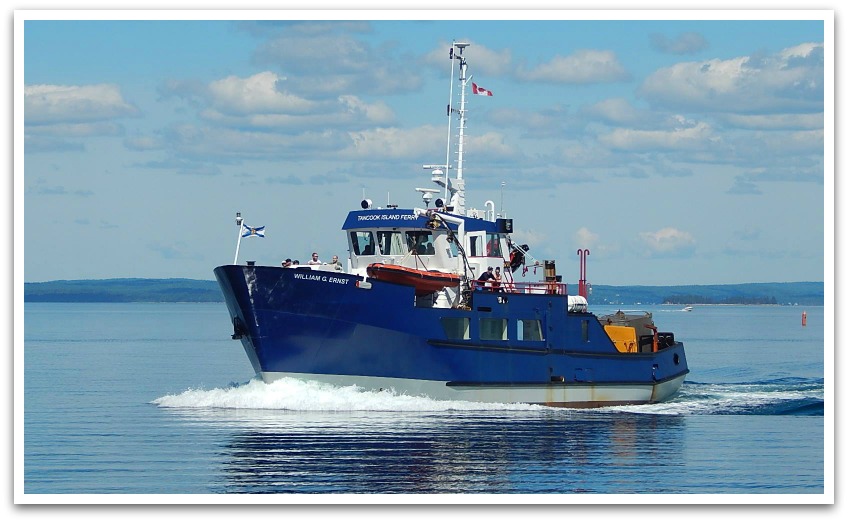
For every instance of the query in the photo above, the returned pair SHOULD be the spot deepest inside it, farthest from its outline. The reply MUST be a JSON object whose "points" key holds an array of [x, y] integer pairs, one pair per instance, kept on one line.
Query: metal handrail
{"points": [[511, 287]]}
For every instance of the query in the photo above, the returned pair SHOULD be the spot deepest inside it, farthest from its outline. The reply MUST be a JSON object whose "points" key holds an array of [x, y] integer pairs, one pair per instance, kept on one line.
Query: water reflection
{"points": [[542, 451]]}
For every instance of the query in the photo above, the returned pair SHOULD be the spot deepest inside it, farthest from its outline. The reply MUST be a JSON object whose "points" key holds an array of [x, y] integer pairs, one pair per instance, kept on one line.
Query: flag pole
{"points": [[239, 221]]}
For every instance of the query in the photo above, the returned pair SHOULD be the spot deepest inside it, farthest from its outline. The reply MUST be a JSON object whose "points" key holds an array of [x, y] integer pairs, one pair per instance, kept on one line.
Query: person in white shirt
{"points": [[315, 260]]}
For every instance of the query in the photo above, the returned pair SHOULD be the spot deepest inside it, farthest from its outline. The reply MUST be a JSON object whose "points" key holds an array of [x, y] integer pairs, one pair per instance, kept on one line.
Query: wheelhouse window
{"points": [[530, 330], [488, 245], [420, 242], [476, 243], [362, 243], [492, 329], [391, 243], [452, 248], [456, 327], [493, 245]]}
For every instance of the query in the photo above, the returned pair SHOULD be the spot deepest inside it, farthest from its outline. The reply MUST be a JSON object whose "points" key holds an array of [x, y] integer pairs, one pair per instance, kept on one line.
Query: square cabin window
{"points": [[456, 327], [391, 243], [530, 330], [492, 329], [362, 243], [420, 243]]}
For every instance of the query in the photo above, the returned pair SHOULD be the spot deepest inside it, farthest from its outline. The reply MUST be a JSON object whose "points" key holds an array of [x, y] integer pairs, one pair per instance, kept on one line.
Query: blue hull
{"points": [[299, 322]]}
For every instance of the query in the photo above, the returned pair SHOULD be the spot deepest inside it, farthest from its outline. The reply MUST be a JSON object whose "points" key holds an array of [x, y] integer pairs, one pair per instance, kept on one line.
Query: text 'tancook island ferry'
{"points": [[411, 314]]}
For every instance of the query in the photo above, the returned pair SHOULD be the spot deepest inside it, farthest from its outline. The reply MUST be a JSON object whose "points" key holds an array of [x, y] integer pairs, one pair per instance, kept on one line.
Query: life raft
{"points": [[424, 281]]}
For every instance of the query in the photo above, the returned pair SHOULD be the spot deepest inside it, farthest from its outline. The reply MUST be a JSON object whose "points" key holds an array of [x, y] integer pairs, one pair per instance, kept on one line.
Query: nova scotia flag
{"points": [[247, 231]]}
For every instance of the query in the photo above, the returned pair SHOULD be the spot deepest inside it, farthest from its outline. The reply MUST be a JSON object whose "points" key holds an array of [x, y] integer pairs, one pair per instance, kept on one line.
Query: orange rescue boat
{"points": [[424, 281]]}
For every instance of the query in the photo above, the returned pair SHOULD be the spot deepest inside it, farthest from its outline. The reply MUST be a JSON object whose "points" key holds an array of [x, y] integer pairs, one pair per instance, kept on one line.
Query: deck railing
{"points": [[511, 287]]}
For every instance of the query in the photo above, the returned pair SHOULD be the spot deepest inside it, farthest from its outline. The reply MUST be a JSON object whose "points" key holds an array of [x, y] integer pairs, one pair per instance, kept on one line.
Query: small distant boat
{"points": [[687, 309], [424, 281]]}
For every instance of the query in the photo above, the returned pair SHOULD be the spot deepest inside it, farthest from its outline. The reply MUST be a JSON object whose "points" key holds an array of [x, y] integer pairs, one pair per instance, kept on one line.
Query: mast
{"points": [[448, 147], [454, 189], [458, 197]]}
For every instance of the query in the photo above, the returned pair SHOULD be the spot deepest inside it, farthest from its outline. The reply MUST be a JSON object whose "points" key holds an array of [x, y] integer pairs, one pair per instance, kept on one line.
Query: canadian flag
{"points": [[479, 90]]}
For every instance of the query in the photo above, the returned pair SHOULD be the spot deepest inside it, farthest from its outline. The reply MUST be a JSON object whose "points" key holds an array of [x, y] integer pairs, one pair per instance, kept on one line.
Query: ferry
{"points": [[413, 311]]}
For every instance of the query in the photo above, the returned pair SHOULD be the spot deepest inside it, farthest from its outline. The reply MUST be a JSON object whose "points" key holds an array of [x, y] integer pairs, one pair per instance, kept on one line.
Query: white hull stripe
{"points": [[556, 394]]}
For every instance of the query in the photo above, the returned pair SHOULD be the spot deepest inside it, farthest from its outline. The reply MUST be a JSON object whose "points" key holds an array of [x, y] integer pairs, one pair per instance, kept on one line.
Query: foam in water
{"points": [[289, 394], [297, 395], [743, 398]]}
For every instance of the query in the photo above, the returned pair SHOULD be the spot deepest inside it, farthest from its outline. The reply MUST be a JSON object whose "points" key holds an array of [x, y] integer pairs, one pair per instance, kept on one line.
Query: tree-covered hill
{"points": [[124, 291], [803, 293], [195, 290]]}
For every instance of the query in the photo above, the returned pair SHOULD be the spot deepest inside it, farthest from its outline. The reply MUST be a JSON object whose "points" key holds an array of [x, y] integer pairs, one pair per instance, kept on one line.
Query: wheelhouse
{"points": [[406, 238]]}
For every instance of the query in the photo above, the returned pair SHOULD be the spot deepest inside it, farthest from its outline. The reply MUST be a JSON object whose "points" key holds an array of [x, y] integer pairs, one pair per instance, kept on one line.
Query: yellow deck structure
{"points": [[624, 338]]}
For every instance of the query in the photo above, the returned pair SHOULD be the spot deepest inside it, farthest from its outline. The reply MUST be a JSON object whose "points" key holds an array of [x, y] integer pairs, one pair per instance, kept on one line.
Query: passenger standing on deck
{"points": [[496, 283], [287, 263], [314, 260], [485, 279], [336, 264]]}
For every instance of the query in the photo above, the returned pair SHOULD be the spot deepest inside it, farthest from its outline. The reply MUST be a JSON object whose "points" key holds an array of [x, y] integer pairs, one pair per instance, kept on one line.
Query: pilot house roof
{"points": [[406, 218]]}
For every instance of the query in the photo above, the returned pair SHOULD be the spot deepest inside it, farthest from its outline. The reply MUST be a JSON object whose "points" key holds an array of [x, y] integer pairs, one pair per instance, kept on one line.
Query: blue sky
{"points": [[678, 150]]}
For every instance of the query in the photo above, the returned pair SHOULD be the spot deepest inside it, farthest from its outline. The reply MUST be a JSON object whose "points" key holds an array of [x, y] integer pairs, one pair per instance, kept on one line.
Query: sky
{"points": [[678, 147]]}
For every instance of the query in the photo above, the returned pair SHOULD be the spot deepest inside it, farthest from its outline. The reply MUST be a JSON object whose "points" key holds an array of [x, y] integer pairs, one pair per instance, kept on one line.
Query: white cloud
{"points": [[793, 143], [546, 122], [617, 111], [804, 50], [773, 149], [53, 104], [487, 146], [421, 143], [55, 114], [668, 242], [590, 241], [257, 102], [529, 237], [323, 59], [377, 113], [789, 81], [260, 93], [586, 153], [582, 67], [392, 142], [694, 137], [487, 62], [584, 238]]}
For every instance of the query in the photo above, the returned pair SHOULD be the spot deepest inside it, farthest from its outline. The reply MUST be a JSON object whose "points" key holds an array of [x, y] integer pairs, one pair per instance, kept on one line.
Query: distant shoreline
{"points": [[131, 290]]}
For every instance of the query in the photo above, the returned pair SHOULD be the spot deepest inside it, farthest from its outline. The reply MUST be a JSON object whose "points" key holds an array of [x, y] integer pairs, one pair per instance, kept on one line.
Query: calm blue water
{"points": [[157, 399]]}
